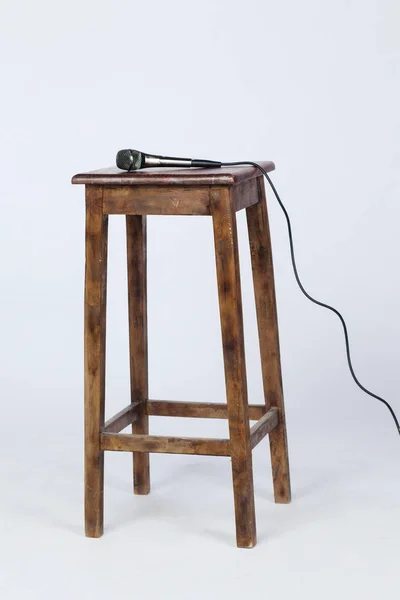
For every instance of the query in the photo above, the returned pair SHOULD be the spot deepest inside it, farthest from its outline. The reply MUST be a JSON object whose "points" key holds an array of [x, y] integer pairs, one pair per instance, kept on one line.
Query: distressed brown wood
{"points": [[245, 194], [125, 417], [136, 235], [230, 304], [168, 445], [264, 290], [152, 200], [264, 426], [165, 177], [219, 193], [94, 353], [200, 410]]}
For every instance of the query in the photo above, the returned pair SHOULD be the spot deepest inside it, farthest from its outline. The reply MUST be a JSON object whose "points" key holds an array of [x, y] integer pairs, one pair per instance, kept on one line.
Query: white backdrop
{"points": [[313, 86]]}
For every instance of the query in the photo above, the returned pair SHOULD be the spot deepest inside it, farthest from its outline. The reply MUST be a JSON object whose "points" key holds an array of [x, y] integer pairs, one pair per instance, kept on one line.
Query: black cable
{"points": [[307, 295]]}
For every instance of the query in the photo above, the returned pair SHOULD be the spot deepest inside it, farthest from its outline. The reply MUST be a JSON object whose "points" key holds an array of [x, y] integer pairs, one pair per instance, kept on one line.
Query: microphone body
{"points": [[133, 160]]}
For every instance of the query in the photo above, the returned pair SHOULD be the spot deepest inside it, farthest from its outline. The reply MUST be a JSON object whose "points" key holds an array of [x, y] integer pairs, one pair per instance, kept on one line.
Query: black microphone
{"points": [[132, 160]]}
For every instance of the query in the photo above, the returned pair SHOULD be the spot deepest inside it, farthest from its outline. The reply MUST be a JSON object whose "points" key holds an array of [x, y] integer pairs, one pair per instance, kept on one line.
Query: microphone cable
{"points": [[307, 295]]}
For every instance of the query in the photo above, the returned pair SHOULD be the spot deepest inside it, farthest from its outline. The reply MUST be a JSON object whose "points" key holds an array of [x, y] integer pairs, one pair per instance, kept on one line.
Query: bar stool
{"points": [[218, 193]]}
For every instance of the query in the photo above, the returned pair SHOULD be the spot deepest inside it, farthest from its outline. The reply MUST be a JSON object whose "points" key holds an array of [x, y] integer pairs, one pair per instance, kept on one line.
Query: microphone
{"points": [[133, 160]]}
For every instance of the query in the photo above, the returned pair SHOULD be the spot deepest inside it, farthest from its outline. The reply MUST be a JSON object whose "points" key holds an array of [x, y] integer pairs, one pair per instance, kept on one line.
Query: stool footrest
{"points": [[168, 445], [264, 426], [201, 410], [111, 439]]}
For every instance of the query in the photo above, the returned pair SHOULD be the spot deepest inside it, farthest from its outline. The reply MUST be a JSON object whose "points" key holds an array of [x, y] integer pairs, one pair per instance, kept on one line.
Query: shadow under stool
{"points": [[218, 193]]}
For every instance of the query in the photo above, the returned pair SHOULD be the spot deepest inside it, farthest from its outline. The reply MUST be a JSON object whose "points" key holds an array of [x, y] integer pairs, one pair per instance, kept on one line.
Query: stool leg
{"points": [[137, 300], [95, 341], [264, 290], [230, 304]]}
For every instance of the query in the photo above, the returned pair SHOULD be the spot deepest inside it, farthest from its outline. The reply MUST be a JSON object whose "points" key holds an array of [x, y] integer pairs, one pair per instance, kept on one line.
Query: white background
{"points": [[313, 86]]}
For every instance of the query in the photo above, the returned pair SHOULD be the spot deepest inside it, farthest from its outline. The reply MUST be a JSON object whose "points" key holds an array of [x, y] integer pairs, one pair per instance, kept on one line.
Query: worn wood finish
{"points": [[125, 417], [137, 303], [168, 177], [245, 194], [264, 426], [201, 410], [172, 200], [230, 304], [219, 193], [167, 445], [152, 200], [94, 353], [264, 289]]}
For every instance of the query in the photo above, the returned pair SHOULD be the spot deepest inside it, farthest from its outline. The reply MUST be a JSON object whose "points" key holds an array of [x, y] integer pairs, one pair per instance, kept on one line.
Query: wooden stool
{"points": [[218, 193]]}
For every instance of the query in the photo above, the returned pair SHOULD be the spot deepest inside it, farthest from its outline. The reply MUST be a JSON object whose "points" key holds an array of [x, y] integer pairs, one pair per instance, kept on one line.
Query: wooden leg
{"points": [[95, 341], [137, 299], [230, 303], [264, 289]]}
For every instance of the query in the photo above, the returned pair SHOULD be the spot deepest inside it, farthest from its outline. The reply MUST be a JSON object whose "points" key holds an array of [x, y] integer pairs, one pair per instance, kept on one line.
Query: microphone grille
{"points": [[129, 160]]}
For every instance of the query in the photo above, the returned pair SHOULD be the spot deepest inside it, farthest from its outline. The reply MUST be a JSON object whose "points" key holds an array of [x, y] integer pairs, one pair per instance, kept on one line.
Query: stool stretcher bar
{"points": [[202, 410], [168, 445], [110, 439], [169, 408], [125, 417], [264, 426]]}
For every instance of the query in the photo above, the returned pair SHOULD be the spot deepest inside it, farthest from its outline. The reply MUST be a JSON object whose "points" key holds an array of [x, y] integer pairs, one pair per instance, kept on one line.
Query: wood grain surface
{"points": [[170, 176], [125, 417], [230, 304], [200, 410], [264, 426], [94, 356], [150, 200], [264, 290], [136, 235], [165, 444]]}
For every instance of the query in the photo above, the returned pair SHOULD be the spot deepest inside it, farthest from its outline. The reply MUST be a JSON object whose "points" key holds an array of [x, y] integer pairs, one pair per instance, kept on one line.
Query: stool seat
{"points": [[161, 191], [218, 193], [170, 176]]}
